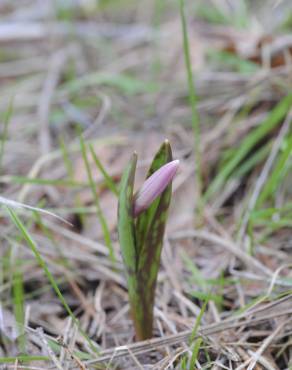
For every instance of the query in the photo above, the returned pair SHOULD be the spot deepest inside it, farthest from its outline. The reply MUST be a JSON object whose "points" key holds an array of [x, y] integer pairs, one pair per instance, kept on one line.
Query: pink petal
{"points": [[154, 186]]}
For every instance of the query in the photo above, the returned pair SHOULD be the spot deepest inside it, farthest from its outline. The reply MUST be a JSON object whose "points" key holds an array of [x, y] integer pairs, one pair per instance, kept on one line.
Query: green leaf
{"points": [[127, 238], [126, 227]]}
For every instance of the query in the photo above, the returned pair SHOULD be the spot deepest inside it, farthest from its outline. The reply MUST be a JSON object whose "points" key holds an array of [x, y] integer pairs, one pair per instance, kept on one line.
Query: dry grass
{"points": [[116, 72]]}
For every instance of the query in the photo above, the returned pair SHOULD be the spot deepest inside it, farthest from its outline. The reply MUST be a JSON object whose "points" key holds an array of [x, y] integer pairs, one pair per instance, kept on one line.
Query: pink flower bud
{"points": [[154, 186]]}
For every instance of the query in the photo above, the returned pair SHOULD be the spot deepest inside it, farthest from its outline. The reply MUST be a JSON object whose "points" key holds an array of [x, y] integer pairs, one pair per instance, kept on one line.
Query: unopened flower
{"points": [[154, 186]]}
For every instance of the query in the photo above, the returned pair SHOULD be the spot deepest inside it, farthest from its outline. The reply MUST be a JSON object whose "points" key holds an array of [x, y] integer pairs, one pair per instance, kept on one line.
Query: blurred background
{"points": [[116, 70]]}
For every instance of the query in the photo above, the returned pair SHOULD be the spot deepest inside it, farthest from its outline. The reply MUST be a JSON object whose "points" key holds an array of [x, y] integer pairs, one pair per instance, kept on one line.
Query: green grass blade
{"points": [[277, 174], [7, 119], [273, 119], [257, 158], [198, 320], [235, 62], [71, 174], [196, 277], [193, 103], [195, 352], [101, 218], [23, 358], [38, 181], [66, 159], [62, 259], [202, 296], [42, 263], [18, 303], [198, 341], [125, 83], [107, 178]]}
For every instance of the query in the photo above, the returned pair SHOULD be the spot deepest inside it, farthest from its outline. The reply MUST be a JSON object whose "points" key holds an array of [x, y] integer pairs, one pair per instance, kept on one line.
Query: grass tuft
{"points": [[25, 234]]}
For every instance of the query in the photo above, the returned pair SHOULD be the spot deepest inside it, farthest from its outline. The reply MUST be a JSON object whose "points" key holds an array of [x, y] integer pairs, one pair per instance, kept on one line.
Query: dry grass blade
{"points": [[245, 320], [14, 204], [230, 246]]}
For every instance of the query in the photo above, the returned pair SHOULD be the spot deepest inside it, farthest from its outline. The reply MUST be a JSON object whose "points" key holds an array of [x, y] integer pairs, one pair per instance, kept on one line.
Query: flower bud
{"points": [[154, 186]]}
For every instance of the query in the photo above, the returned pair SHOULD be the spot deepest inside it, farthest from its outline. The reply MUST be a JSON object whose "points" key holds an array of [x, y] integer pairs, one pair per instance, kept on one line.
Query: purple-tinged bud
{"points": [[154, 186]]}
